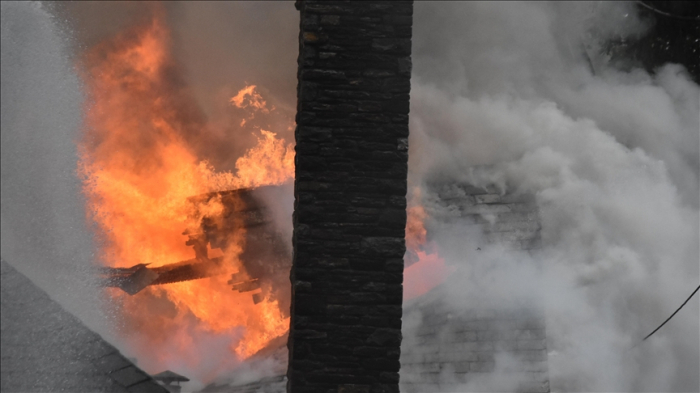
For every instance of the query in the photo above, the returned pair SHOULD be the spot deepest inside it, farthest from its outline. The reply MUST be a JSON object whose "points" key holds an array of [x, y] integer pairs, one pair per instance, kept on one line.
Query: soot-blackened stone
{"points": [[350, 195]]}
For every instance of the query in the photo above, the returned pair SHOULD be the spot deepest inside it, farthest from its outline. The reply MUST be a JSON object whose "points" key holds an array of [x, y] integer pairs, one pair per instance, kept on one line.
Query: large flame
{"points": [[139, 172]]}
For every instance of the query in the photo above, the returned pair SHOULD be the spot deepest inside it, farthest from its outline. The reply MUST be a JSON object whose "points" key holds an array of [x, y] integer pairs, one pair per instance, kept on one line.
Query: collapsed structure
{"points": [[265, 256]]}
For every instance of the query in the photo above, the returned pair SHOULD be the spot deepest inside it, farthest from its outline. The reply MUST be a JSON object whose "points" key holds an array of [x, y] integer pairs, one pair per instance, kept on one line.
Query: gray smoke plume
{"points": [[520, 95]]}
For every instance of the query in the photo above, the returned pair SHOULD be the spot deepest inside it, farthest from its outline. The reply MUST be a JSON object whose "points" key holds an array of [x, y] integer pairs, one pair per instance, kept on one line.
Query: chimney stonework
{"points": [[350, 195]]}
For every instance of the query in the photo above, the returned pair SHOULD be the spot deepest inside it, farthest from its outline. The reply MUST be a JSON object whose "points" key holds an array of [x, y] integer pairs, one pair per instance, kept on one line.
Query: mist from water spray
{"points": [[45, 234]]}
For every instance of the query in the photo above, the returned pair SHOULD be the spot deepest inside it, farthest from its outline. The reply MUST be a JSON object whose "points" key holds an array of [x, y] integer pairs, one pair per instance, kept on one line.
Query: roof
{"points": [[45, 348], [262, 372], [168, 376]]}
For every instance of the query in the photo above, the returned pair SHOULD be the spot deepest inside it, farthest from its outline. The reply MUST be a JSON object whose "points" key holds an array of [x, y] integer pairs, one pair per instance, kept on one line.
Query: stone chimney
{"points": [[350, 195]]}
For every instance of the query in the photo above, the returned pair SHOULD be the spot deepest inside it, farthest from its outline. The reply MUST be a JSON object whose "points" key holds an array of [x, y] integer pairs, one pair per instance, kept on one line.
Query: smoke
{"points": [[521, 96], [45, 234]]}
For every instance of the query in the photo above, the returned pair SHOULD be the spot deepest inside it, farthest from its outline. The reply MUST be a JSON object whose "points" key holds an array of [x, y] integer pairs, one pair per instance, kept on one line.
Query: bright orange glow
{"points": [[139, 172], [415, 227], [425, 268], [248, 97], [270, 162], [424, 275]]}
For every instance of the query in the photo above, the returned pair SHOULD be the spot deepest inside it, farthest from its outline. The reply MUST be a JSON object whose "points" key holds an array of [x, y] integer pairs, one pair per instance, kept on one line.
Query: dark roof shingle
{"points": [[47, 349]]}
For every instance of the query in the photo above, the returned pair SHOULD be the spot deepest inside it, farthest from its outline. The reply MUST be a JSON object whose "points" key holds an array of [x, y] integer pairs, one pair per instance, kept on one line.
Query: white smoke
{"points": [[518, 94]]}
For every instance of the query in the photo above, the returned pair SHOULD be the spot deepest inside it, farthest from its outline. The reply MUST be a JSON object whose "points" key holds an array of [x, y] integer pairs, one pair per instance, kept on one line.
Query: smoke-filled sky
{"points": [[516, 94]]}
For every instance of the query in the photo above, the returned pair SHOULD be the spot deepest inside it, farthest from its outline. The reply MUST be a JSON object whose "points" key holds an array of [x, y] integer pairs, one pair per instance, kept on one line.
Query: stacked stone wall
{"points": [[350, 195], [506, 219], [454, 351], [480, 346]]}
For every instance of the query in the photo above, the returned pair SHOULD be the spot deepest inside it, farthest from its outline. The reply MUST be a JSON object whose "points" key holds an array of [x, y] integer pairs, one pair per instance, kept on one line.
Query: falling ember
{"points": [[140, 176]]}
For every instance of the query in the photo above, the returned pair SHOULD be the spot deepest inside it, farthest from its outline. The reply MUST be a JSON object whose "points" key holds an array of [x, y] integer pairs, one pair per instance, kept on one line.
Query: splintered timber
{"points": [[265, 256]]}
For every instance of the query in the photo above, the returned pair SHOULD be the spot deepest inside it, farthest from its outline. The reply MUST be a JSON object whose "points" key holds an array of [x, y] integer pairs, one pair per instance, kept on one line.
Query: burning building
{"points": [[180, 238], [551, 197]]}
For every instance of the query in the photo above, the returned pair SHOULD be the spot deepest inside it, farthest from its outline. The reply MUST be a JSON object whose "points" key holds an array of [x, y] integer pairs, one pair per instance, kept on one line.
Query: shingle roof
{"points": [[45, 348], [263, 372], [170, 376]]}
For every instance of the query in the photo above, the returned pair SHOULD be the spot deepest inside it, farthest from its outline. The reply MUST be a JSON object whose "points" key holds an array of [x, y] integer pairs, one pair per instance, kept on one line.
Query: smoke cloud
{"points": [[521, 96]]}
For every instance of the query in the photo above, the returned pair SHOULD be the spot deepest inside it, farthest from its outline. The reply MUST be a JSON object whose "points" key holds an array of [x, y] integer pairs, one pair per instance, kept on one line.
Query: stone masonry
{"points": [[492, 345], [474, 349], [350, 195]]}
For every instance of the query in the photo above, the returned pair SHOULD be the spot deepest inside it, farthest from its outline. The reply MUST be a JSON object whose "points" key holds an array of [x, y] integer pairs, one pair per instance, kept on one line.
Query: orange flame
{"points": [[270, 162], [248, 97], [139, 172], [415, 227], [425, 268]]}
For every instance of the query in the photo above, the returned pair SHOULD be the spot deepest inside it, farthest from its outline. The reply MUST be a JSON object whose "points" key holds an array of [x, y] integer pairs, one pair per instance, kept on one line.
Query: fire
{"points": [[425, 269], [424, 275], [139, 172], [248, 97], [270, 162], [415, 226]]}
